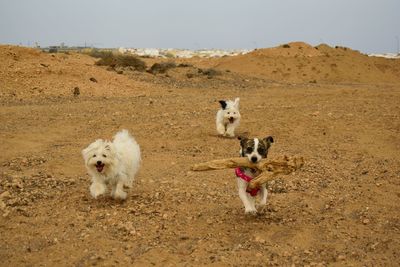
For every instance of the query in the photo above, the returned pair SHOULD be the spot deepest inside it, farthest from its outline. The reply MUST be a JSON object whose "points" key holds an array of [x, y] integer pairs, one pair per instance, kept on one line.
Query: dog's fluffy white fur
{"points": [[114, 163], [228, 117]]}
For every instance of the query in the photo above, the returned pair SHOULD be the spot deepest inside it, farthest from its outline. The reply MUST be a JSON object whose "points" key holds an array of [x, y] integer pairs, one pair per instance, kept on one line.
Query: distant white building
{"points": [[386, 55], [181, 53]]}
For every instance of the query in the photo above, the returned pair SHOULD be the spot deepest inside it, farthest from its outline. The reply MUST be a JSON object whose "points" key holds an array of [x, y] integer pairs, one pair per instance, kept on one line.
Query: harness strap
{"points": [[240, 174]]}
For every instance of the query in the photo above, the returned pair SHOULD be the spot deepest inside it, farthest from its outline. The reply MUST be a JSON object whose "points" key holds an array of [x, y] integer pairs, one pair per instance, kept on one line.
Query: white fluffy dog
{"points": [[114, 163], [228, 117]]}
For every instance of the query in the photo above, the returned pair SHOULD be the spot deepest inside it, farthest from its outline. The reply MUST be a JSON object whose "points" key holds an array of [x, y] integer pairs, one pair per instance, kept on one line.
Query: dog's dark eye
{"points": [[94, 155], [249, 150], [104, 156], [261, 151], [229, 113]]}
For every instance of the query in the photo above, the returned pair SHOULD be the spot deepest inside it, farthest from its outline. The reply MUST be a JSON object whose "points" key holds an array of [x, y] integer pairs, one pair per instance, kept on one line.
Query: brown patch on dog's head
{"points": [[255, 148], [246, 145], [267, 141]]}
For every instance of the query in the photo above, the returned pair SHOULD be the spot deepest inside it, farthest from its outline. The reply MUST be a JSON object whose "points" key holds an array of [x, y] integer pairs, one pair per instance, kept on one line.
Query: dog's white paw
{"points": [[119, 195], [230, 135], [250, 212], [97, 189], [221, 129], [263, 202]]}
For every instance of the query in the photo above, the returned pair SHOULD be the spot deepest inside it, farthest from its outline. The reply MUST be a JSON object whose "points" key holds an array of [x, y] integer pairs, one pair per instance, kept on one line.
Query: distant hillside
{"points": [[301, 62]]}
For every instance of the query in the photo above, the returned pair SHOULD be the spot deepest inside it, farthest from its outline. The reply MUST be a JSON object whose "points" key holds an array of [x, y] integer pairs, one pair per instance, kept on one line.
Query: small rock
{"points": [[366, 221], [92, 79], [5, 195], [6, 213], [2, 205], [259, 240], [341, 257], [76, 91]]}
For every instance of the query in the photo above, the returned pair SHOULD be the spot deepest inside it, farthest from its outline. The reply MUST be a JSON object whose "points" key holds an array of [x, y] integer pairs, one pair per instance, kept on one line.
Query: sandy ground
{"points": [[341, 209]]}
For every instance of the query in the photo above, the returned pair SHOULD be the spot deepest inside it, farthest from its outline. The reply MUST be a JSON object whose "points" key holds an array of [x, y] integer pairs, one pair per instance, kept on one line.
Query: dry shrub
{"points": [[109, 59], [97, 53], [161, 67], [185, 65], [210, 73]]}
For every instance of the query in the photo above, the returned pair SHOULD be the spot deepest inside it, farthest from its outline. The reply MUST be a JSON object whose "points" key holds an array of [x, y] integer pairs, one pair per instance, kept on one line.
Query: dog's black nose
{"points": [[254, 159], [99, 162]]}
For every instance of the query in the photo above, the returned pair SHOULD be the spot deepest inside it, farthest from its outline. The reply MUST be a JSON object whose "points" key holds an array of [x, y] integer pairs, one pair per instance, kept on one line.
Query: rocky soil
{"points": [[341, 209]]}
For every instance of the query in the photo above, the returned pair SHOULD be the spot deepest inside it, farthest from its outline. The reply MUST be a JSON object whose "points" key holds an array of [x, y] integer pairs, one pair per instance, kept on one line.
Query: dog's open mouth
{"points": [[231, 120], [99, 167]]}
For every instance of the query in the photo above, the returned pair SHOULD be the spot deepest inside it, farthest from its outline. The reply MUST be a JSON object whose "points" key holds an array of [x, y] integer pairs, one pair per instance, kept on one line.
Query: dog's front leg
{"points": [[97, 188], [118, 190], [220, 128], [249, 205], [263, 194], [230, 130]]}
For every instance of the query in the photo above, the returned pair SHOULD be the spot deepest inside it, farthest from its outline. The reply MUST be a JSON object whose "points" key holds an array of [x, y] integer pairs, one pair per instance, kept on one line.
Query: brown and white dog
{"points": [[254, 149]]}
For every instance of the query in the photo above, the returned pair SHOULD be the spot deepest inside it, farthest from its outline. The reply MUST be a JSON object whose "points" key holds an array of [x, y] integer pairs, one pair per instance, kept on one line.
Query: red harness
{"points": [[240, 174]]}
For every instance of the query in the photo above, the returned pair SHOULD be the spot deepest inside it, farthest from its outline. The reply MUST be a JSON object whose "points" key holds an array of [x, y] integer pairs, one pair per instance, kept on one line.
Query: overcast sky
{"points": [[366, 25]]}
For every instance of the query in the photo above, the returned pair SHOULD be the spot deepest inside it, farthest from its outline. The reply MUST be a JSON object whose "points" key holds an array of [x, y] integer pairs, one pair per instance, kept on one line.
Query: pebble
{"points": [[2, 205], [260, 240], [341, 257], [5, 194]]}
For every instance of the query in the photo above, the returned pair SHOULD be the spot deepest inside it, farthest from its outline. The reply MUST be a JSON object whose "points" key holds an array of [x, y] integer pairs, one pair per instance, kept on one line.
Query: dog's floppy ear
{"points": [[110, 147], [94, 145], [268, 141], [236, 103], [84, 153], [223, 104], [243, 139]]}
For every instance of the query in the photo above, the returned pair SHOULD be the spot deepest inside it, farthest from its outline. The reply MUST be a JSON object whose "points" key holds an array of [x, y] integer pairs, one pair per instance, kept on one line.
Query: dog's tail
{"points": [[129, 151], [122, 135]]}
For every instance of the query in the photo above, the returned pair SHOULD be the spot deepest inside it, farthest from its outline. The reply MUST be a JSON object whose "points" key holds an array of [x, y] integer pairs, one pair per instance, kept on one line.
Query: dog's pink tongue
{"points": [[100, 167]]}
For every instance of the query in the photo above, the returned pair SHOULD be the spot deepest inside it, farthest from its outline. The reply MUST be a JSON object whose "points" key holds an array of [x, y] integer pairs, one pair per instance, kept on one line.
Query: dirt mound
{"points": [[299, 62], [27, 72], [295, 49]]}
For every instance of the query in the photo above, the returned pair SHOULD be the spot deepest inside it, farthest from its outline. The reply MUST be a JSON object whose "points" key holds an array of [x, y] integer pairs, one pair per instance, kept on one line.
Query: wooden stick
{"points": [[261, 179], [220, 164], [269, 168], [284, 165]]}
